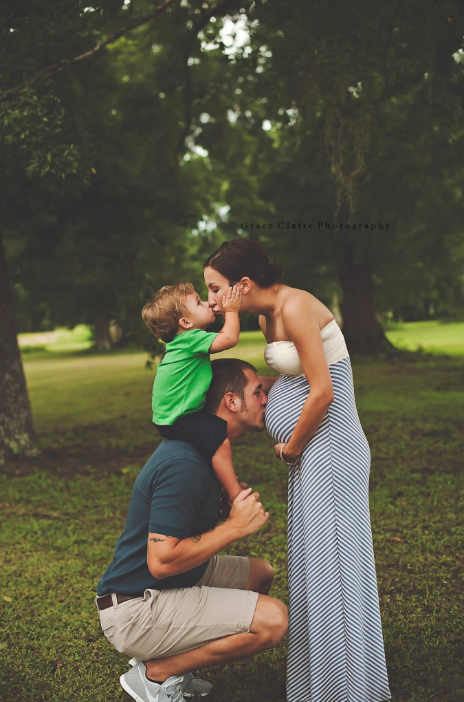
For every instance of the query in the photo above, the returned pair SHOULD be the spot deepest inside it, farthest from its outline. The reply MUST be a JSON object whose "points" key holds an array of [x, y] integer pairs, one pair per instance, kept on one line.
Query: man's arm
{"points": [[167, 555]]}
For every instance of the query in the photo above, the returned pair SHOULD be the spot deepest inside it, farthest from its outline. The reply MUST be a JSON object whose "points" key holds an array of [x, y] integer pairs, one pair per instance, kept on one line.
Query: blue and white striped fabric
{"points": [[336, 650]]}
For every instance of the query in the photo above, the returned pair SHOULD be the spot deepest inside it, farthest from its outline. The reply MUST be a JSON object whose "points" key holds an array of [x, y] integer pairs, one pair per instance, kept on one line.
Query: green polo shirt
{"points": [[183, 376]]}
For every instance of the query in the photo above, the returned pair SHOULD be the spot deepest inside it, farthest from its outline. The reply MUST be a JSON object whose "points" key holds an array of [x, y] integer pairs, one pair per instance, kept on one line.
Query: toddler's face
{"points": [[200, 314]]}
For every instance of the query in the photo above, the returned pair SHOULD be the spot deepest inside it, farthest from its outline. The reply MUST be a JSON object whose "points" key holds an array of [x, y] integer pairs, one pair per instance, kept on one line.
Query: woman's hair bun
{"points": [[242, 257], [272, 274]]}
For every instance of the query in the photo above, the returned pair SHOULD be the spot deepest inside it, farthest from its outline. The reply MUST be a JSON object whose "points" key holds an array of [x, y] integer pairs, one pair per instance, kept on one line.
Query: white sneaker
{"points": [[137, 685], [191, 687]]}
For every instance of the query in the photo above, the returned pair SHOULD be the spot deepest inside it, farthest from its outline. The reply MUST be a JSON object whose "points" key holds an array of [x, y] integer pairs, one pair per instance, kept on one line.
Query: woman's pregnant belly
{"points": [[340, 426], [285, 402]]}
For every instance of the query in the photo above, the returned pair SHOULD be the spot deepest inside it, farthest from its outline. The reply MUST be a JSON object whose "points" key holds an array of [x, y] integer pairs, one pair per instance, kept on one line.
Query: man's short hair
{"points": [[162, 314], [228, 376]]}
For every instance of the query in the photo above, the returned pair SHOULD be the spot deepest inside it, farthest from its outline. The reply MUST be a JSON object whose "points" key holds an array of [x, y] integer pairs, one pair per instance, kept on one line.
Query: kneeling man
{"points": [[167, 599]]}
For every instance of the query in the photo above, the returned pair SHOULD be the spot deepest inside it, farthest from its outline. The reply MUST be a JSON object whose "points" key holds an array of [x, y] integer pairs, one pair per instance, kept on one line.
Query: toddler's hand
{"points": [[225, 507], [233, 300]]}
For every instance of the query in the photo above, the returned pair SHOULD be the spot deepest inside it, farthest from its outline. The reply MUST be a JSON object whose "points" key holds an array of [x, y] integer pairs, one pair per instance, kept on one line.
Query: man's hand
{"points": [[247, 514], [233, 300], [168, 555]]}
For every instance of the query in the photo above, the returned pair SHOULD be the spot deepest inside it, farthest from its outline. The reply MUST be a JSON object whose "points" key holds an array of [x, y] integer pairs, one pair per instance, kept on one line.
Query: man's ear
{"points": [[184, 323], [245, 285], [230, 401]]}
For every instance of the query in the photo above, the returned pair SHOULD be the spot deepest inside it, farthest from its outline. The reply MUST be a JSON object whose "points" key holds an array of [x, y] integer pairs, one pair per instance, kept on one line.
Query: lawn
{"points": [[439, 337], [60, 521], [435, 336]]}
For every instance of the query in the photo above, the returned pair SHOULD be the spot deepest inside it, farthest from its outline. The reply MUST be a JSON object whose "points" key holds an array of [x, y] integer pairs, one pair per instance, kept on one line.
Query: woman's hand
{"points": [[286, 455]]}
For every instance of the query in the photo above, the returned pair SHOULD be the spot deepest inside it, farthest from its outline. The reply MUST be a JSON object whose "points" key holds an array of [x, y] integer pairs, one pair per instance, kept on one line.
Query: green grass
{"points": [[61, 341], [434, 337], [60, 520]]}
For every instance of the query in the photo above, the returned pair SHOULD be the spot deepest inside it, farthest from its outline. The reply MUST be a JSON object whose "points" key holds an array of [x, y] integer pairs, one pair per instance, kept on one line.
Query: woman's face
{"points": [[217, 287]]}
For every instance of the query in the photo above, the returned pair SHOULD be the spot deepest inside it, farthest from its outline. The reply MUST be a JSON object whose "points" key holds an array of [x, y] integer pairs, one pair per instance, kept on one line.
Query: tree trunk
{"points": [[17, 435], [116, 334], [362, 327], [102, 332]]}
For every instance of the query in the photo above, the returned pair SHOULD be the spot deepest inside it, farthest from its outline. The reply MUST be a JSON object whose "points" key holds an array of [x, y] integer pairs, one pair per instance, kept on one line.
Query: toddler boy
{"points": [[177, 316]]}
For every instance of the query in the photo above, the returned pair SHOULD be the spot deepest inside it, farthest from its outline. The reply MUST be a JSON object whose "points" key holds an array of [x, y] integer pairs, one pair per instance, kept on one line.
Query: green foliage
{"points": [[107, 198], [156, 351], [360, 131], [60, 341], [104, 141], [26, 130]]}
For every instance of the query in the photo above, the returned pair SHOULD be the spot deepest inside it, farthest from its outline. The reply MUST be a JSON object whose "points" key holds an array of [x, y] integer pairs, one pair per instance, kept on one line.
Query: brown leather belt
{"points": [[107, 601]]}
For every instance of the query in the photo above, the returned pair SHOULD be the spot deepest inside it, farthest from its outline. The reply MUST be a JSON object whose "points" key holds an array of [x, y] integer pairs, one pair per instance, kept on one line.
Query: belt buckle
{"points": [[102, 597]]}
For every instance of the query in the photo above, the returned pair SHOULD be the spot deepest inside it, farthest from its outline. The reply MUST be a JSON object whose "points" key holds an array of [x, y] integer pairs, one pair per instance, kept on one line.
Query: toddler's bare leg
{"points": [[225, 471]]}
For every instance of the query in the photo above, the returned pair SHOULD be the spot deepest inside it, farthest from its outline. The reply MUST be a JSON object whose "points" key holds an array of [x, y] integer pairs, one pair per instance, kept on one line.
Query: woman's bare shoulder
{"points": [[295, 301]]}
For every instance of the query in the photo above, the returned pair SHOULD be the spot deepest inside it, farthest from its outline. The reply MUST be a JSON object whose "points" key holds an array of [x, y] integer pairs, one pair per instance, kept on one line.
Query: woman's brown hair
{"points": [[239, 258]]}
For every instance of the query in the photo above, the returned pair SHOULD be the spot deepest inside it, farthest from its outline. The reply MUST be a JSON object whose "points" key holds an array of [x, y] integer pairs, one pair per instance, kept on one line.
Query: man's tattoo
{"points": [[155, 540], [197, 538]]}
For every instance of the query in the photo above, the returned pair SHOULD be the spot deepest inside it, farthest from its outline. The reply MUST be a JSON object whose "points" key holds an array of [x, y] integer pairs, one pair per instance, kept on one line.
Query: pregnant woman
{"points": [[336, 651]]}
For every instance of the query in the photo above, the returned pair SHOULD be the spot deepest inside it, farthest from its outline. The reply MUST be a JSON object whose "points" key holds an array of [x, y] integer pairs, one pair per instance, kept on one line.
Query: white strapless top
{"points": [[283, 357]]}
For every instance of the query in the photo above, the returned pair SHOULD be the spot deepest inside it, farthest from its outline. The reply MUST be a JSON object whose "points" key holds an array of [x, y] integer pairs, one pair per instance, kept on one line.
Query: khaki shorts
{"points": [[167, 622]]}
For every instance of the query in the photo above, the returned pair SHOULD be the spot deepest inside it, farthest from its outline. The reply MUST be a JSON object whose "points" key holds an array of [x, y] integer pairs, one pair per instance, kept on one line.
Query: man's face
{"points": [[251, 413]]}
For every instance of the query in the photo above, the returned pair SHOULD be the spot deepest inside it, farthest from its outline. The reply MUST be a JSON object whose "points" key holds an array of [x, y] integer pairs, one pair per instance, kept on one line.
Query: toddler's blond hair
{"points": [[162, 314]]}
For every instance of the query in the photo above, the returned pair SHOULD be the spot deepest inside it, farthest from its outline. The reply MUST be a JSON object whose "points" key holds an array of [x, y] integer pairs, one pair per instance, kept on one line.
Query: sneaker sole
{"points": [[134, 661], [129, 690]]}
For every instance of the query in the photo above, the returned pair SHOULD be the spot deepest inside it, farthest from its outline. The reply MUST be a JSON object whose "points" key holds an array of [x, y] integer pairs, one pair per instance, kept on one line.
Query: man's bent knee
{"points": [[278, 622], [270, 620], [260, 577]]}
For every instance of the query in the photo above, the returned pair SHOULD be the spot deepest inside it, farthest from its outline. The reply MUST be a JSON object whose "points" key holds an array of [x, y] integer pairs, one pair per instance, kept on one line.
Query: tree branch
{"points": [[189, 95], [390, 29], [69, 63]]}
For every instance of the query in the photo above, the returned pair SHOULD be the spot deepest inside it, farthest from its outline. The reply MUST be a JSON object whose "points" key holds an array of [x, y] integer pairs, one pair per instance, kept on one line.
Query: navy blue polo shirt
{"points": [[176, 493]]}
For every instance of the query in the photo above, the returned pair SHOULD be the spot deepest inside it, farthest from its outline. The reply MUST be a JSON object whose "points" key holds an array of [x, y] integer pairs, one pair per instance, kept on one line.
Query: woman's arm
{"points": [[266, 380], [302, 328]]}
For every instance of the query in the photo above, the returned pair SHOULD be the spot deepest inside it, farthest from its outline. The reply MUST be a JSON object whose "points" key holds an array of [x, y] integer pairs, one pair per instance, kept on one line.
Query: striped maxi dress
{"points": [[336, 650]]}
